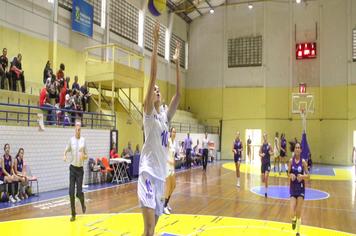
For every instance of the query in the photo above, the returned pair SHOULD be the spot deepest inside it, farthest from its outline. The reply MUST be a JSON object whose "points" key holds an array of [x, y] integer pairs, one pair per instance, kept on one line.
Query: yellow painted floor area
{"points": [[255, 169], [132, 224]]}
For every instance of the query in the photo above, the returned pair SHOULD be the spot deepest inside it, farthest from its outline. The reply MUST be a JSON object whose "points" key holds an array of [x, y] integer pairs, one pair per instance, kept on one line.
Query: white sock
{"points": [[286, 167], [299, 221], [238, 180]]}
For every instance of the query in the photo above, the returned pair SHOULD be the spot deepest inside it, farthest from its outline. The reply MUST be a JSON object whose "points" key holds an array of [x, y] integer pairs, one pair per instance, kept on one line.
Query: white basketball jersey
{"points": [[155, 149], [276, 145]]}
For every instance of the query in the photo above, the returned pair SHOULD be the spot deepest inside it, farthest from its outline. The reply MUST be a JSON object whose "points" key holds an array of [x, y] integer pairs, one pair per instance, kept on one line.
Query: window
{"points": [[149, 25], [66, 4], [97, 11], [124, 20], [175, 39], [245, 51]]}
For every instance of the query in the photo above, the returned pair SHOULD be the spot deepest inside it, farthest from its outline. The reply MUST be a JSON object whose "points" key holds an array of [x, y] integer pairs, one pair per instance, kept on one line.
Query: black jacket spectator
{"points": [[47, 72], [4, 73]]}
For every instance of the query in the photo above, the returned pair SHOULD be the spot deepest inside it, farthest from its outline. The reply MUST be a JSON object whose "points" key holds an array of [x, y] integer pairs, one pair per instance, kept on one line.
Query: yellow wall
{"points": [[329, 129], [35, 53], [127, 132]]}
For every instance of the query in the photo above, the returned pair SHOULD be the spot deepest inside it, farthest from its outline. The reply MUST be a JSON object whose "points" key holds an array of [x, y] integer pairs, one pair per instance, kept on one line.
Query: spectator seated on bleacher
{"points": [[20, 172], [52, 86], [77, 105], [4, 70], [17, 74], [69, 105]]}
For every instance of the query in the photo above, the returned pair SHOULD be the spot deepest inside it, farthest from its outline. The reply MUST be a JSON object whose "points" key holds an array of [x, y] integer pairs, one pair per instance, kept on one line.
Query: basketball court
{"points": [[204, 204], [249, 83]]}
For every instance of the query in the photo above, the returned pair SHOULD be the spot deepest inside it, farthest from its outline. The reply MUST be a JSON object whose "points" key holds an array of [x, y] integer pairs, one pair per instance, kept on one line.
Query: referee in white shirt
{"points": [[78, 150]]}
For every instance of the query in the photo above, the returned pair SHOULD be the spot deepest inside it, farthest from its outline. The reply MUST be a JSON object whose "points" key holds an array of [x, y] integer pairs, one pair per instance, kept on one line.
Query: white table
{"points": [[119, 166]]}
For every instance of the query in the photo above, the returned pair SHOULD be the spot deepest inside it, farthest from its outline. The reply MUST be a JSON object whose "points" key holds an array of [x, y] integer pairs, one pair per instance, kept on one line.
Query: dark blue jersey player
{"points": [[265, 154], [298, 173], [237, 150]]}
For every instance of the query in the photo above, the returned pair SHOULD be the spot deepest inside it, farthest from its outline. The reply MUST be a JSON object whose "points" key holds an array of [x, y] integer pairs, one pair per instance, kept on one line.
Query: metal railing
{"points": [[194, 128], [131, 108], [27, 115], [110, 53]]}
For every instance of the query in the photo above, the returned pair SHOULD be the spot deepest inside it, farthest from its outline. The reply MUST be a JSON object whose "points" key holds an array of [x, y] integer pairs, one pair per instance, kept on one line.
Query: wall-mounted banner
{"points": [[82, 17]]}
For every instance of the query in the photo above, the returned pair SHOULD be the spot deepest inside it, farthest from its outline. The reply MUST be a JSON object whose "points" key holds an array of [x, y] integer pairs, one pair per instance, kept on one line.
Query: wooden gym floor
{"points": [[197, 194]]}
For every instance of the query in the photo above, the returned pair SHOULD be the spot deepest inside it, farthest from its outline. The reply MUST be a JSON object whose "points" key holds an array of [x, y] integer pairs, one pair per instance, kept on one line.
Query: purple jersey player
{"points": [[237, 150], [265, 154], [298, 173]]}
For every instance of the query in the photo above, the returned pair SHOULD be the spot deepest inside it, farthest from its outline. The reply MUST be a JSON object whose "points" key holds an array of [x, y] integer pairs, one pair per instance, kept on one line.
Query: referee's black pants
{"points": [[76, 175], [205, 157], [188, 157]]}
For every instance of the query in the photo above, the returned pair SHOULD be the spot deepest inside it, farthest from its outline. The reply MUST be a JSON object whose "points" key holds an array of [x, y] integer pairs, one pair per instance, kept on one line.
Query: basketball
{"points": [[156, 7]]}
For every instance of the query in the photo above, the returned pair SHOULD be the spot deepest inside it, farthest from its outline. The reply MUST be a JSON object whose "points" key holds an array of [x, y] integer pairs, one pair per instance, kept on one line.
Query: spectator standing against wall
{"points": [[78, 154], [4, 70], [47, 72]]}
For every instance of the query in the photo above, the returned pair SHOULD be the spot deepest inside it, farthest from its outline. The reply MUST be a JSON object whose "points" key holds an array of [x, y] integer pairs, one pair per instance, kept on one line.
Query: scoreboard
{"points": [[305, 51]]}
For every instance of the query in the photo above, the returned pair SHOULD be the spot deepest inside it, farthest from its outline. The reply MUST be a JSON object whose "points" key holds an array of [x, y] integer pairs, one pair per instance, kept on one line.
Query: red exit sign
{"points": [[305, 50]]}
